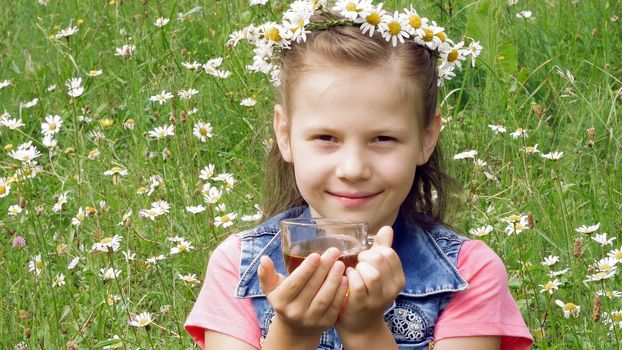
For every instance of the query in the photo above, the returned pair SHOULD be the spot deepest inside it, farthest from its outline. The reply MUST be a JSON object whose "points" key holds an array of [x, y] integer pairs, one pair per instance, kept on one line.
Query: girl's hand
{"points": [[307, 301], [374, 285]]}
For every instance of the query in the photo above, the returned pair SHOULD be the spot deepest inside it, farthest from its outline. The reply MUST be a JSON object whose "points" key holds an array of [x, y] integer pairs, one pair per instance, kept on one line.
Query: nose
{"points": [[353, 165]]}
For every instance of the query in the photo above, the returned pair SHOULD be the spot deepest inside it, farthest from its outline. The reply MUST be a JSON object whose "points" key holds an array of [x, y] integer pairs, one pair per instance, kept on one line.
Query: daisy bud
{"points": [[63, 330], [577, 247], [596, 312], [27, 333], [250, 197], [591, 132], [172, 119], [10, 231], [71, 345], [22, 202], [183, 117], [590, 143]]}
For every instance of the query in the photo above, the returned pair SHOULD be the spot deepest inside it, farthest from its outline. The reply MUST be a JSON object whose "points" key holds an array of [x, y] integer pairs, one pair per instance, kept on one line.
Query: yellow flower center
{"points": [[373, 18], [428, 34], [441, 36], [570, 307], [414, 21], [93, 73], [618, 255], [513, 218], [116, 169], [203, 131], [52, 126], [226, 218], [604, 267], [529, 149], [395, 28], [549, 285], [143, 322], [106, 240], [182, 248], [351, 6], [274, 35], [452, 56], [130, 122], [2, 189], [39, 265], [616, 316], [106, 122]]}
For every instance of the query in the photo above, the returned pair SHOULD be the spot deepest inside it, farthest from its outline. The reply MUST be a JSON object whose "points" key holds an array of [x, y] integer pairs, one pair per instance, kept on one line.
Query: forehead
{"points": [[376, 94]]}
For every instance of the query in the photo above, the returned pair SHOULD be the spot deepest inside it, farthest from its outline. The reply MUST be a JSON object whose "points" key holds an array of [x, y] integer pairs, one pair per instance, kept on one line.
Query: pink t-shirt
{"points": [[485, 308]]}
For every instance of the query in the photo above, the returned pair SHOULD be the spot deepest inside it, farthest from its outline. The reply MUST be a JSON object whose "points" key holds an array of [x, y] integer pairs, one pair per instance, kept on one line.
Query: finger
{"points": [[297, 280], [358, 290], [375, 258], [391, 257], [269, 279], [339, 300], [314, 282], [323, 299], [384, 236], [372, 279]]}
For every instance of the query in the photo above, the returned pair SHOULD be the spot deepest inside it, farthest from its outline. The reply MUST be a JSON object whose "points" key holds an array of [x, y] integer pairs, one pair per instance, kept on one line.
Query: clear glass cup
{"points": [[301, 237]]}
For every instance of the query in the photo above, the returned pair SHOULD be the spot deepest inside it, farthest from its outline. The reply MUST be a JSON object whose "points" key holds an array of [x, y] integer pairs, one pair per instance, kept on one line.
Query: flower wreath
{"points": [[270, 38]]}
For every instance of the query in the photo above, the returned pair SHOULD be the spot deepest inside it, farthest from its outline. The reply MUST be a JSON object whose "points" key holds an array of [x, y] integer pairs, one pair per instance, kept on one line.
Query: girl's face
{"points": [[354, 141]]}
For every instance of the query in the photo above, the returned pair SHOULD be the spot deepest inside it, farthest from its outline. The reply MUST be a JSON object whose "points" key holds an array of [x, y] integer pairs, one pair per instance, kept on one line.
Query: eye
{"points": [[384, 138], [325, 138]]}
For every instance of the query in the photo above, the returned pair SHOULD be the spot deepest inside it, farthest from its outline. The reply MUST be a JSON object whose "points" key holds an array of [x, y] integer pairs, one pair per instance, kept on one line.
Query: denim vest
{"points": [[428, 257]]}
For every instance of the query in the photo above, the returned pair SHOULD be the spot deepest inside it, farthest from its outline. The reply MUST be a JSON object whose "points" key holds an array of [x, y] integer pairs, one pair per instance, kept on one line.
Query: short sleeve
{"points": [[487, 307], [216, 308]]}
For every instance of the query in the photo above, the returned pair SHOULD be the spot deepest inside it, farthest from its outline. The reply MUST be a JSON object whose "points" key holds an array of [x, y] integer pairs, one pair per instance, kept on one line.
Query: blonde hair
{"points": [[345, 45]]}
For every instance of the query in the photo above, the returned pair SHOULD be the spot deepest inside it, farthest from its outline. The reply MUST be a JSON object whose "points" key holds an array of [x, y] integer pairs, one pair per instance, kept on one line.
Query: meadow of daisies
{"points": [[133, 141]]}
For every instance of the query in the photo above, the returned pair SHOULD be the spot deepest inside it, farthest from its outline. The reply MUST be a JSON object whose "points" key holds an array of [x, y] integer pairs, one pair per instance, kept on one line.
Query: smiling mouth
{"points": [[353, 200]]}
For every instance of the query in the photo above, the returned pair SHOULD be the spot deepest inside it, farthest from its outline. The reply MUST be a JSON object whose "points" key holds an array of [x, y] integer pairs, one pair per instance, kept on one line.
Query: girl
{"points": [[357, 130]]}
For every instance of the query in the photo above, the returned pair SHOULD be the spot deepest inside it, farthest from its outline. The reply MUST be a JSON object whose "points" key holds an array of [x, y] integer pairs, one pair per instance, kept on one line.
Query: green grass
{"points": [[516, 78]]}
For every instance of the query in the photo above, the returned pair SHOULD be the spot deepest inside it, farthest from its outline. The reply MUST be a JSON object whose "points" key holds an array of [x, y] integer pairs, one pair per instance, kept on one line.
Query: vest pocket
{"points": [[410, 326]]}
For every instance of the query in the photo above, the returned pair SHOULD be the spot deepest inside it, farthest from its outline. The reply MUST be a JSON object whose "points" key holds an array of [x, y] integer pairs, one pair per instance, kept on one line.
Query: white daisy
{"points": [[5, 187], [351, 9], [126, 51], [550, 260], [190, 279], [552, 156], [393, 28], [73, 263], [182, 247], [187, 94], [225, 220], [79, 218], [202, 131], [481, 231], [603, 240], [569, 309], [30, 103], [160, 22], [108, 244], [64, 33], [162, 97], [207, 172], [248, 102], [36, 265], [371, 19], [52, 125], [59, 280], [109, 274], [62, 199], [466, 154], [162, 132], [141, 320], [14, 210], [195, 209], [588, 229]]}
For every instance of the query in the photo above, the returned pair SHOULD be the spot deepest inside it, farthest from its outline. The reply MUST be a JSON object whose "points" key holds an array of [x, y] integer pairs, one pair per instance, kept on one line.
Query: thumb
{"points": [[384, 236], [269, 279]]}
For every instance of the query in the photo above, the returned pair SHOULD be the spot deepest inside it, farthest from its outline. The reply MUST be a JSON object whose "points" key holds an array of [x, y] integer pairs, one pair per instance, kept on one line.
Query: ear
{"points": [[430, 138], [281, 131]]}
